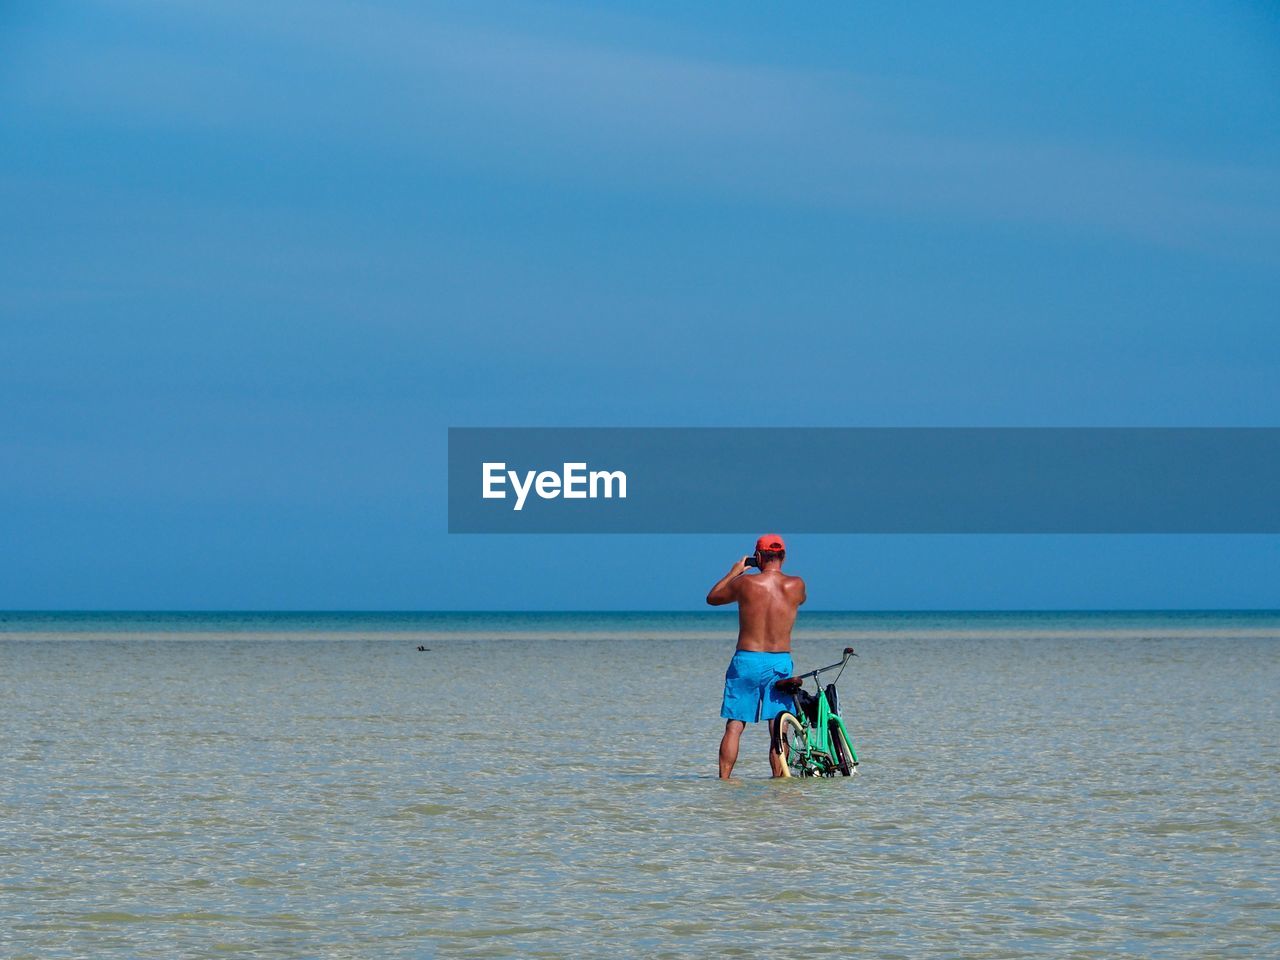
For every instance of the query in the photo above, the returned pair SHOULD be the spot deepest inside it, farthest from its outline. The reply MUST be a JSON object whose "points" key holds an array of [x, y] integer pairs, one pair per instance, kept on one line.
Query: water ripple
{"points": [[518, 798]]}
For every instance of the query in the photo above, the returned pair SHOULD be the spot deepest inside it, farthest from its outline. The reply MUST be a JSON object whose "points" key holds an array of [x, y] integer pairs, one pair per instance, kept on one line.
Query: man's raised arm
{"points": [[725, 591]]}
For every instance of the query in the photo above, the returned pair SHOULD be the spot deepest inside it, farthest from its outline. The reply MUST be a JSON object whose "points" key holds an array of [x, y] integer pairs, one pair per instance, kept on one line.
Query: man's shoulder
{"points": [[780, 581], [776, 576], [795, 589], [771, 582]]}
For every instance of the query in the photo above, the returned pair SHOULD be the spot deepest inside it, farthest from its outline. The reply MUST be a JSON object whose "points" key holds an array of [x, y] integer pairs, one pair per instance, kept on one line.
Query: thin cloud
{"points": [[637, 119]]}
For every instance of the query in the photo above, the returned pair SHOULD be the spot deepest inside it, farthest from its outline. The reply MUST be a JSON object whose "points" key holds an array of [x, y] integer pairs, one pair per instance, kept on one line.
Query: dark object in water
{"points": [[422, 649], [809, 704]]}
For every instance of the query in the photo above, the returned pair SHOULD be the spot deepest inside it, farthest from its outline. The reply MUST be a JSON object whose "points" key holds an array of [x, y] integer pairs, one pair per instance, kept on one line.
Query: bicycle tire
{"points": [[789, 725], [844, 756]]}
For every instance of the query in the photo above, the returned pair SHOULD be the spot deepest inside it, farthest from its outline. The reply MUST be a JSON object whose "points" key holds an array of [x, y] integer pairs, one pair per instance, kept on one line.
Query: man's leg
{"points": [[729, 746], [776, 763]]}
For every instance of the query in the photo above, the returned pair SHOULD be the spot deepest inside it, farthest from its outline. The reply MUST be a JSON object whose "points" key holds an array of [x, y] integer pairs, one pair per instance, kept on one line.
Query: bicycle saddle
{"points": [[789, 685]]}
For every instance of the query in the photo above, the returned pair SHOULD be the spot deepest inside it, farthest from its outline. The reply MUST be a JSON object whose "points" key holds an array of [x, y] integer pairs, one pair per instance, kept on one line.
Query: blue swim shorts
{"points": [[748, 686]]}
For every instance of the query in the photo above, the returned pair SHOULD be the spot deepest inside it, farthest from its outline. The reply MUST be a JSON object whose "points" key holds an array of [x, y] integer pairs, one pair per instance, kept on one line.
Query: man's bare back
{"points": [[767, 606]]}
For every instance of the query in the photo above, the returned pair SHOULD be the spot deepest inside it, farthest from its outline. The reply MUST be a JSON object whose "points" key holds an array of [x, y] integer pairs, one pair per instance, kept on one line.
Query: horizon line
{"points": [[704, 611]]}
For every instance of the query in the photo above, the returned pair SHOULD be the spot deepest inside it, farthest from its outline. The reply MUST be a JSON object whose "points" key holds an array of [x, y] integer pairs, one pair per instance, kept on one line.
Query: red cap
{"points": [[770, 541]]}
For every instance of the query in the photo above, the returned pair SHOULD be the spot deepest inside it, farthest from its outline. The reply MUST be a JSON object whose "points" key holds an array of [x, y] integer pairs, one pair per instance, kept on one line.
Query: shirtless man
{"points": [[767, 604]]}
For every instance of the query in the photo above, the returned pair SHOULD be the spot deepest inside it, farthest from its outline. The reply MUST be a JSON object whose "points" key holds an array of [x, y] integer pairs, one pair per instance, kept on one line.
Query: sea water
{"points": [[543, 785]]}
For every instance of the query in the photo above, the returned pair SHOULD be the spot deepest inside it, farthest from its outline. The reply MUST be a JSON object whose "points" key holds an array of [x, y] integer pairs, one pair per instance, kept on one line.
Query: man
{"points": [[767, 604]]}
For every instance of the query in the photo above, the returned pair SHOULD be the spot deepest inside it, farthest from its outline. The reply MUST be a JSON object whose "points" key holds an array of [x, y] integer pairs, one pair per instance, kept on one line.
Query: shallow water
{"points": [[1080, 786]]}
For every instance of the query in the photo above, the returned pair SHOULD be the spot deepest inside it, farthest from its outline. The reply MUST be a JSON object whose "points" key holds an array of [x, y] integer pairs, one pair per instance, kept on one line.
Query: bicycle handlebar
{"points": [[848, 652]]}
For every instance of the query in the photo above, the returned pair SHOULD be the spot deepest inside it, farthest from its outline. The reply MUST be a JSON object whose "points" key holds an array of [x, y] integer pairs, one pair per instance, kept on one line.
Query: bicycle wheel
{"points": [[794, 744], [844, 756]]}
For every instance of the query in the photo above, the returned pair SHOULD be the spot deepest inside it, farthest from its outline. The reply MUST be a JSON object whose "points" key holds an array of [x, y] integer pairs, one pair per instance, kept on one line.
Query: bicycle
{"points": [[813, 741]]}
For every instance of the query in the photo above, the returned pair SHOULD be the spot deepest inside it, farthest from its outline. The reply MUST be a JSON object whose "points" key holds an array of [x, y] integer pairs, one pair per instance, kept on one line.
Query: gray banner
{"points": [[864, 480]]}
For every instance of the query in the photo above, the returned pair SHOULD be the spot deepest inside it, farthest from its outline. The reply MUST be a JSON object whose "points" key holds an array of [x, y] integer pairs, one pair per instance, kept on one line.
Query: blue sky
{"points": [[258, 257]]}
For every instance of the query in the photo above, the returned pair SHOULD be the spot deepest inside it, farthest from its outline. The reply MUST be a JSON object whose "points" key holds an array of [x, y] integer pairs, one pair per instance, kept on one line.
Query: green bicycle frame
{"points": [[817, 756], [819, 735]]}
